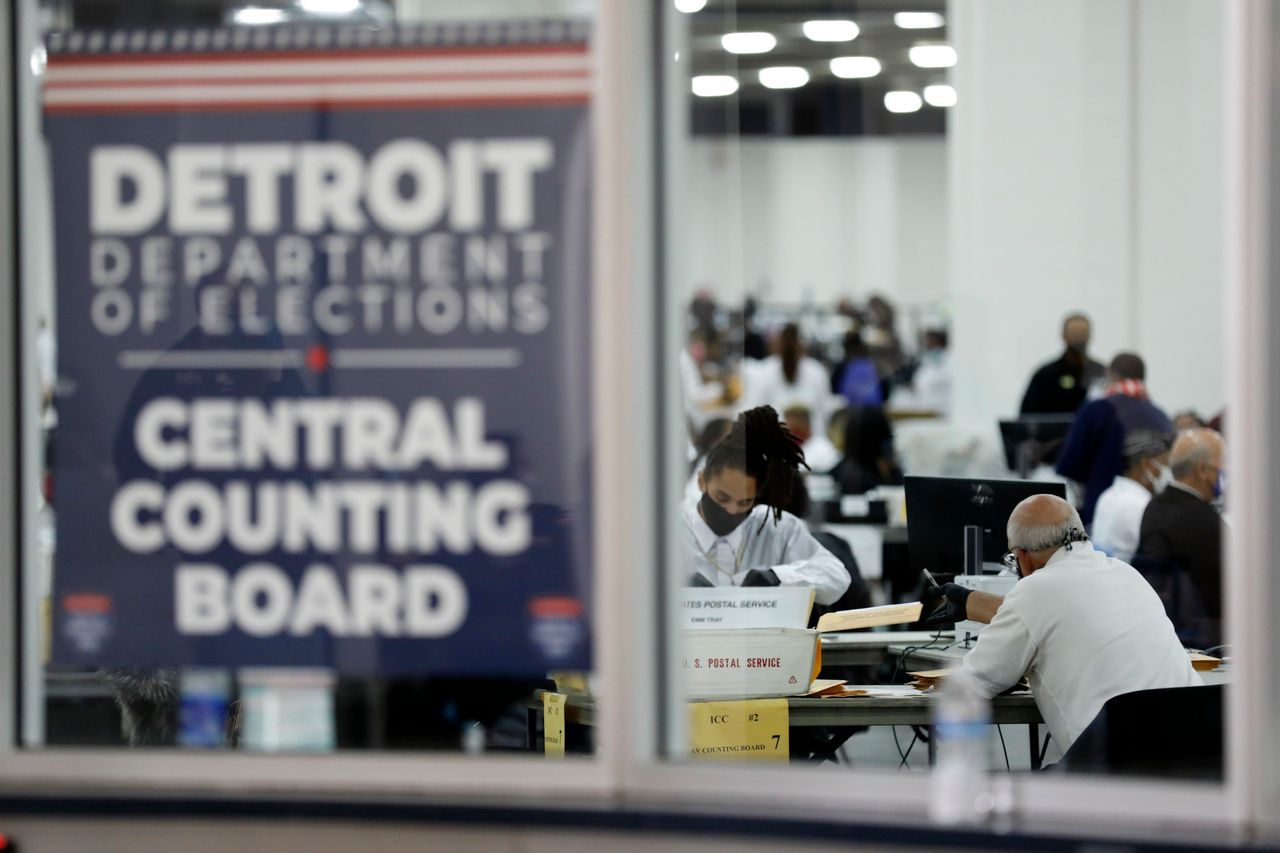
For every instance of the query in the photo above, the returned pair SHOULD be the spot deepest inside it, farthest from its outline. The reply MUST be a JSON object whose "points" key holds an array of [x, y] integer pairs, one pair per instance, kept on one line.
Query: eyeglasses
{"points": [[1010, 559]]}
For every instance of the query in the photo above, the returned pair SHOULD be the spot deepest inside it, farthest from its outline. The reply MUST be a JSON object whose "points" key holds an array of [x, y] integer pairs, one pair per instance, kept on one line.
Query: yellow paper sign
{"points": [[755, 729], [553, 723]]}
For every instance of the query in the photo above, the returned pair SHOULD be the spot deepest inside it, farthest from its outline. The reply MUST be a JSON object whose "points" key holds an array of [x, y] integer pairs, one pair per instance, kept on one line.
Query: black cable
{"points": [[907, 653], [1004, 748], [901, 754], [898, 744], [1044, 749]]}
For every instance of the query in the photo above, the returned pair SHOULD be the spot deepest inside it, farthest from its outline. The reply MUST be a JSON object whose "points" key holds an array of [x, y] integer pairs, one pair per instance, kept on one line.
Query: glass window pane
{"points": [[308, 303], [978, 279]]}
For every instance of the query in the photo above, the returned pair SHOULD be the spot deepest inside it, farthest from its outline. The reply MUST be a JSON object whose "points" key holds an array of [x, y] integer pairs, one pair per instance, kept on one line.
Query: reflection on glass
{"points": [[322, 461], [892, 287]]}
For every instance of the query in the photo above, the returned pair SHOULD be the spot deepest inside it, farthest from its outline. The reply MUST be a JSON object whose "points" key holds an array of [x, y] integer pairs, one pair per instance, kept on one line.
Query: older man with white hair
{"points": [[1182, 527], [1082, 626]]}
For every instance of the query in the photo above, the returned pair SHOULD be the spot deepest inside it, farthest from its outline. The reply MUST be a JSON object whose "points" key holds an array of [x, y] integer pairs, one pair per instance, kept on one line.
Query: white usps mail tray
{"points": [[732, 607]]}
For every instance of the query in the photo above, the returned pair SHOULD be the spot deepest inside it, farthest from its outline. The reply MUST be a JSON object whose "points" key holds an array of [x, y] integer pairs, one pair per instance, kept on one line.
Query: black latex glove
{"points": [[953, 605], [698, 579], [761, 577]]}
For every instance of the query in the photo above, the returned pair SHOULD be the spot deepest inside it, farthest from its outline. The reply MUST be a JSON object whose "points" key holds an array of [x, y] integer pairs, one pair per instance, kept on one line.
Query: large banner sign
{"points": [[324, 350]]}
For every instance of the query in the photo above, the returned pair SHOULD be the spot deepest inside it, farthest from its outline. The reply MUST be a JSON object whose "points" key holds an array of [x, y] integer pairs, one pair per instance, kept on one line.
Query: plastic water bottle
{"points": [[473, 738], [961, 781]]}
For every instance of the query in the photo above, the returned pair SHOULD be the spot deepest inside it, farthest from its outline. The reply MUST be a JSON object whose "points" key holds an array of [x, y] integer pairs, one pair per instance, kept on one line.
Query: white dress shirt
{"points": [[786, 546], [764, 384], [1117, 518], [698, 393], [1084, 628], [820, 454]]}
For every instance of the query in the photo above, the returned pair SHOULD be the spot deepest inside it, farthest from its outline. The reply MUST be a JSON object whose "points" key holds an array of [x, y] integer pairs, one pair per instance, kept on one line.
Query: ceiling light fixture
{"points": [[840, 30], [902, 102], [714, 85], [329, 7], [932, 55], [918, 20], [855, 67], [783, 77], [254, 16], [690, 6], [748, 42], [940, 95]]}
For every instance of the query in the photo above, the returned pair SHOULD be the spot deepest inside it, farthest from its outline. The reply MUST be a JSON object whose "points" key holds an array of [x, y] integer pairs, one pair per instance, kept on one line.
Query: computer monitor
{"points": [[939, 509], [1033, 440]]}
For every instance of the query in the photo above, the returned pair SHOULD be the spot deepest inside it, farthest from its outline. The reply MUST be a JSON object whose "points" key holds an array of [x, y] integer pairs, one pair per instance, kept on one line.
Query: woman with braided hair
{"points": [[737, 533]]}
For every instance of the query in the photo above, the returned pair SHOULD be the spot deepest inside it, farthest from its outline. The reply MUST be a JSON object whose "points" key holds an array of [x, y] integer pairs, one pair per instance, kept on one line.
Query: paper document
{"points": [[869, 617]]}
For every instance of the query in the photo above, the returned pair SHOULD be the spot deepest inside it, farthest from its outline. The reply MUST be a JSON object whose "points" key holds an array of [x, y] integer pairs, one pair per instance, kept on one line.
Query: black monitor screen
{"points": [[1033, 440], [939, 509]]}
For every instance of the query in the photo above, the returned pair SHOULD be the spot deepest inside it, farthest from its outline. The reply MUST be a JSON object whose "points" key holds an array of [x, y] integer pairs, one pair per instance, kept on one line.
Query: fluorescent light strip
{"points": [[329, 7], [855, 67], [257, 16], [940, 96], [902, 102], [714, 85], [932, 55], [918, 20], [837, 30], [783, 77], [748, 42]]}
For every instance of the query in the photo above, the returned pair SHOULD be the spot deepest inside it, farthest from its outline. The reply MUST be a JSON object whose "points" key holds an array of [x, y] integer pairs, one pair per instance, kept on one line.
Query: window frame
{"points": [[628, 771], [620, 484]]}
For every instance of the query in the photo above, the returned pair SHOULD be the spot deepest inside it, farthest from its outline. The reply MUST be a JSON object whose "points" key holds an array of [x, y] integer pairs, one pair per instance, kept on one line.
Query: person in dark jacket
{"points": [[1061, 386], [1093, 453], [1181, 526], [856, 378], [869, 459]]}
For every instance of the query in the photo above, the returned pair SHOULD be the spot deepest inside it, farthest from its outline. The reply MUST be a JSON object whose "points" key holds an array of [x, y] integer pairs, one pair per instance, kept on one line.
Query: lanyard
{"points": [[737, 558]]}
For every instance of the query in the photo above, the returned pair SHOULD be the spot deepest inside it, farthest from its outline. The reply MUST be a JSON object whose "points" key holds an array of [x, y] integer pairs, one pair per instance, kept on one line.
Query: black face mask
{"points": [[720, 520]]}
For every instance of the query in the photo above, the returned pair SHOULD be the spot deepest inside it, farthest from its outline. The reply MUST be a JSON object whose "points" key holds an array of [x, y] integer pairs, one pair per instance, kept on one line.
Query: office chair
{"points": [[1169, 732]]}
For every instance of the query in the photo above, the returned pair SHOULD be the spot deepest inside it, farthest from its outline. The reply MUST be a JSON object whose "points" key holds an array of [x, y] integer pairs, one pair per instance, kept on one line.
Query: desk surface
{"points": [[873, 647], [883, 638], [953, 655], [902, 710]]}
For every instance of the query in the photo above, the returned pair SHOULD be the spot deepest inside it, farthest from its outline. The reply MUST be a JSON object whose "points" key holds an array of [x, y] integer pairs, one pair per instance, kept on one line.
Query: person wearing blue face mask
{"points": [[1182, 527], [930, 389], [737, 532]]}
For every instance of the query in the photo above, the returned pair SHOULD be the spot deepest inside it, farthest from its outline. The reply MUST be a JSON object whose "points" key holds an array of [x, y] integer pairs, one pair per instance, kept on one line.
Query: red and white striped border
{"points": [[394, 75]]}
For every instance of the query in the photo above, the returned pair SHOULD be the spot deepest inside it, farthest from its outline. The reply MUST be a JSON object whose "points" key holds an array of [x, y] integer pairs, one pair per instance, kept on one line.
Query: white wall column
{"points": [[1087, 174]]}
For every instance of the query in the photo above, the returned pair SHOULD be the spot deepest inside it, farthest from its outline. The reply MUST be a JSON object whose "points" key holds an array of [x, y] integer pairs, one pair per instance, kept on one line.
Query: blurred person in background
{"points": [[1061, 386], [819, 453], [1093, 453], [856, 378], [1117, 519], [700, 392], [789, 378], [881, 335], [1187, 419], [930, 388], [1182, 526], [753, 343], [869, 459]]}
